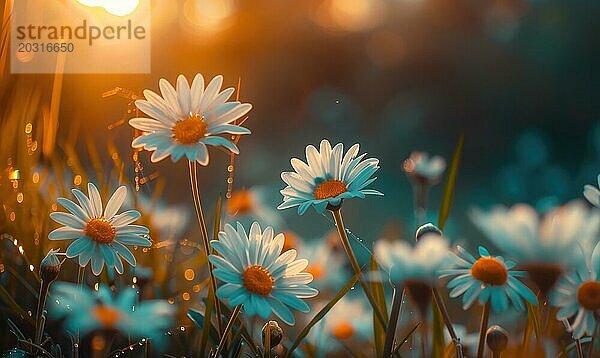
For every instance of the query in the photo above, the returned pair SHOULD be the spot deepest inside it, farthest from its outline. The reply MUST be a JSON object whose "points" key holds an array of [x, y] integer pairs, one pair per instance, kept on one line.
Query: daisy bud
{"points": [[496, 339], [428, 228], [276, 333], [50, 266]]}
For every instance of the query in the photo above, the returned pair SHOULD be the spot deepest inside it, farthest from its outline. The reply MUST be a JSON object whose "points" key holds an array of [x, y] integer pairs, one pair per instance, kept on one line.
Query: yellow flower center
{"points": [[588, 295], [107, 316], [329, 189], [189, 130], [100, 230], [490, 271], [342, 330], [240, 202], [258, 280]]}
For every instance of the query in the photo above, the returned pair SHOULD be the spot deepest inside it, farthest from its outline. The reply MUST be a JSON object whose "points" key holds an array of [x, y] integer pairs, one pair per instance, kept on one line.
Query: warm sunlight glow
{"points": [[115, 7]]}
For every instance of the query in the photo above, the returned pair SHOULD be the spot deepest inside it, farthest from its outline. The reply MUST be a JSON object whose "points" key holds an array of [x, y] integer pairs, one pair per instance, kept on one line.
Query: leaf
{"points": [[322, 313], [450, 183], [243, 331], [437, 329], [198, 319], [405, 339], [379, 294]]}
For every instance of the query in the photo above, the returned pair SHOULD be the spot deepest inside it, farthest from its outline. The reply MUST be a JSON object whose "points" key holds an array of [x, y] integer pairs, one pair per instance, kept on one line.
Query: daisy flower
{"points": [[424, 169], [86, 310], [328, 177], [339, 327], [415, 268], [252, 204], [257, 275], [487, 278], [547, 248], [592, 194], [326, 265], [578, 295], [100, 235], [186, 120]]}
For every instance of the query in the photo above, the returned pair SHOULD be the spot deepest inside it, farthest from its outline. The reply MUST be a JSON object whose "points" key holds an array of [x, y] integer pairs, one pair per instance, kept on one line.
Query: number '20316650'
{"points": [[45, 47]]}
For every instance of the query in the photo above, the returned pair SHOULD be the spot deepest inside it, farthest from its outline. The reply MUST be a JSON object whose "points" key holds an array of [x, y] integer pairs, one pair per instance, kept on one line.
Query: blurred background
{"points": [[516, 76]]}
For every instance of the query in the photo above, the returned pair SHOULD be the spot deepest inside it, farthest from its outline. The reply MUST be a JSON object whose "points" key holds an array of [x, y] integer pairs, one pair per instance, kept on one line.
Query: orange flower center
{"points": [[342, 330], [107, 316], [290, 241], [100, 230], [240, 202], [315, 270], [258, 280], [588, 295], [490, 271], [329, 189], [189, 130]]}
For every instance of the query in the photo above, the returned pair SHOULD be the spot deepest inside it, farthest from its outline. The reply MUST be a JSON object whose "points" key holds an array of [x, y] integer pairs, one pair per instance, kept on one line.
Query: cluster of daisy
{"points": [[253, 271]]}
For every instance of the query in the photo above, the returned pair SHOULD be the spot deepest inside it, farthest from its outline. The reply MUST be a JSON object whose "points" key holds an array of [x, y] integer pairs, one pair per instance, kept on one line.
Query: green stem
{"points": [[485, 315], [39, 325], [234, 314], [579, 349], [205, 239], [337, 215]]}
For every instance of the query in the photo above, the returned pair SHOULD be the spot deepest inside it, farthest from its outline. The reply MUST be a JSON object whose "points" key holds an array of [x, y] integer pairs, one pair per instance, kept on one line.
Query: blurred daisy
{"points": [[326, 265], [186, 120], [546, 248], [416, 269], [85, 310], [421, 263], [424, 169], [328, 178], [257, 275], [592, 194], [249, 205], [339, 327], [578, 295], [100, 236], [487, 278]]}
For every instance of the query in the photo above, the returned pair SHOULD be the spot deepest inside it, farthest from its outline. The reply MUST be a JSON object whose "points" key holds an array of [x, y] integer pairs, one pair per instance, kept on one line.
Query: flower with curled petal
{"points": [[100, 235], [187, 119], [328, 177], [257, 275]]}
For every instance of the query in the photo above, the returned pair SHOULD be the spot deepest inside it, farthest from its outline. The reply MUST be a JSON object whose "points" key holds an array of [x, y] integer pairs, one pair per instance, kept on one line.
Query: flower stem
{"points": [[205, 239], [267, 341], [39, 325], [442, 307], [234, 314], [80, 278], [485, 315], [337, 215], [391, 328], [579, 349], [423, 330]]}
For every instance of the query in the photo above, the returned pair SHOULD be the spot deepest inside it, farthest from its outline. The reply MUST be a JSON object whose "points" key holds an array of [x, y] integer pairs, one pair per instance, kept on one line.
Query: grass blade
{"points": [[322, 313], [405, 339], [450, 183], [379, 294], [6, 297]]}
